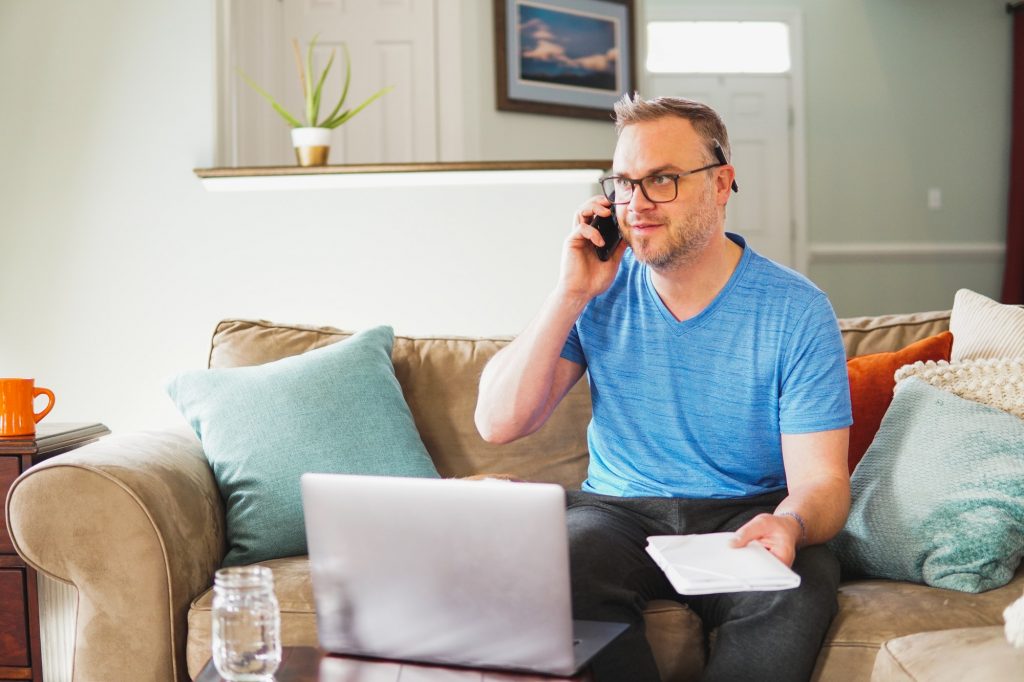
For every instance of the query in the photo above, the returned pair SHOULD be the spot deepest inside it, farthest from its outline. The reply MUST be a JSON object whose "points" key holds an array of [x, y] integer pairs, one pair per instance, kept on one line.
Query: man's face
{"points": [[670, 234]]}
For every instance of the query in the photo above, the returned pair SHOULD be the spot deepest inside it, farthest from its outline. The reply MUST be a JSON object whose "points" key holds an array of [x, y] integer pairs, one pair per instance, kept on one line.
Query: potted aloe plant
{"points": [[312, 138]]}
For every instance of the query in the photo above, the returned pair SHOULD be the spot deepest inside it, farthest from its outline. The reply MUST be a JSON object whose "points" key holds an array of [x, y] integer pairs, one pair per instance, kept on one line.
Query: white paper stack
{"points": [[707, 564]]}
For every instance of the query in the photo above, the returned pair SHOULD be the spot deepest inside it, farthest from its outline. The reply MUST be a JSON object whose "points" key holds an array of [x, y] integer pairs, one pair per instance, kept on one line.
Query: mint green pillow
{"points": [[939, 495], [337, 409]]}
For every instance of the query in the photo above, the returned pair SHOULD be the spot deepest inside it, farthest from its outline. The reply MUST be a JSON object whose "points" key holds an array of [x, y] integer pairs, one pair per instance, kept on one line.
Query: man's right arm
{"points": [[525, 381]]}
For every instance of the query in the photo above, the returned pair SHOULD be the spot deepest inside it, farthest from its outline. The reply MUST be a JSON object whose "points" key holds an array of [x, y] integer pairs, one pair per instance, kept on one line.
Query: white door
{"points": [[391, 42], [755, 109]]}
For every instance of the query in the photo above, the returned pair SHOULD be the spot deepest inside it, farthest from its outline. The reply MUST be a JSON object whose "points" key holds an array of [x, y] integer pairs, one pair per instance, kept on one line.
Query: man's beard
{"points": [[687, 237]]}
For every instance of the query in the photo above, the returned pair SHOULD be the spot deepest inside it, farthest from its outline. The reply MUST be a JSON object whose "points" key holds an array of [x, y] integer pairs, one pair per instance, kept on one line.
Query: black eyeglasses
{"points": [[658, 189]]}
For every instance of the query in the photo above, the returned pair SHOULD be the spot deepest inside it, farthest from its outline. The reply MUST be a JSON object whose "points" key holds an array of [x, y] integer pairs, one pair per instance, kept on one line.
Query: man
{"points": [[720, 401]]}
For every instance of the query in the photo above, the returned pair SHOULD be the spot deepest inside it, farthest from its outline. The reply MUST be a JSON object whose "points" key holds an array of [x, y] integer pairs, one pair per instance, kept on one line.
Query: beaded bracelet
{"points": [[799, 520]]}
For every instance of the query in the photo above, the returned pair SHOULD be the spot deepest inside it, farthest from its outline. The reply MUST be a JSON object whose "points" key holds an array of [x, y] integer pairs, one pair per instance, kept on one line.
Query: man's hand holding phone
{"points": [[593, 250], [608, 226]]}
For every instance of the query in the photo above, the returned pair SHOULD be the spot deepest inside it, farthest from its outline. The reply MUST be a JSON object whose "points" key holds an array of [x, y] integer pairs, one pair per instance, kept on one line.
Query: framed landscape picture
{"points": [[564, 57]]}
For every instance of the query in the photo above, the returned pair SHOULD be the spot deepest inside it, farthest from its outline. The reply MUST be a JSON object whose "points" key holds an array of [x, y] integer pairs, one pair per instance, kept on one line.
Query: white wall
{"points": [[115, 264]]}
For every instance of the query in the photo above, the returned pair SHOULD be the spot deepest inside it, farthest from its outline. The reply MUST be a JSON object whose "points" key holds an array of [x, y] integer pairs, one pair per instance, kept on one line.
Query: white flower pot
{"points": [[312, 145]]}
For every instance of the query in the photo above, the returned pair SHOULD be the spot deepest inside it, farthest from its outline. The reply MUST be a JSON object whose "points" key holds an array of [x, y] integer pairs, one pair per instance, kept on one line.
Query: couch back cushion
{"points": [[439, 378], [886, 333]]}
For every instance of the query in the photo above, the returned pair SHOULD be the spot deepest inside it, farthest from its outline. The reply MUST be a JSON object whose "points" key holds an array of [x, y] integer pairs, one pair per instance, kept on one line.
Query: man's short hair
{"points": [[704, 119]]}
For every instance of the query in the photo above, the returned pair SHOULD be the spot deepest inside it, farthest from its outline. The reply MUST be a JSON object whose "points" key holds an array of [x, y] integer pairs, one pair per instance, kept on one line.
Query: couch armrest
{"points": [[135, 522]]}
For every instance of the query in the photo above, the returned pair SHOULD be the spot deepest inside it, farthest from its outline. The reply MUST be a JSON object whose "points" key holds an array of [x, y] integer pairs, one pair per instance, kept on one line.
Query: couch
{"points": [[135, 522]]}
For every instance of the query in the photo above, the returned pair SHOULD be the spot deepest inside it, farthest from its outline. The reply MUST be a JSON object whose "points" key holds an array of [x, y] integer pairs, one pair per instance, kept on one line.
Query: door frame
{"points": [[798, 131]]}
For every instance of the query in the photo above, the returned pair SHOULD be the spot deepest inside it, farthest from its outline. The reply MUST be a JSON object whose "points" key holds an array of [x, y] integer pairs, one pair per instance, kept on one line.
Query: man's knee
{"points": [[587, 525], [819, 577], [811, 606]]}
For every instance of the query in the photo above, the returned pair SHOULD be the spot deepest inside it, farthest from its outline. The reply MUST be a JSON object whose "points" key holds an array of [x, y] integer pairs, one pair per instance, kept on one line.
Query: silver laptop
{"points": [[465, 573]]}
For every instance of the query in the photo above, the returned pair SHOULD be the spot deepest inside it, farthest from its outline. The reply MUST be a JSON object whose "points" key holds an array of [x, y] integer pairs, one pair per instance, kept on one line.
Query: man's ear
{"points": [[725, 178], [720, 156]]}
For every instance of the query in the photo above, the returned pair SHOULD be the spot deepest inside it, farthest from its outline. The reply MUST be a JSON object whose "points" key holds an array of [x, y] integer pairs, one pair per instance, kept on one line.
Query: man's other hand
{"points": [[779, 535]]}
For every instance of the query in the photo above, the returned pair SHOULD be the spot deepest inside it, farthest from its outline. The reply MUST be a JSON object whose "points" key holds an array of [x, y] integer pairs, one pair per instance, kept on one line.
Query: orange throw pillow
{"points": [[872, 382]]}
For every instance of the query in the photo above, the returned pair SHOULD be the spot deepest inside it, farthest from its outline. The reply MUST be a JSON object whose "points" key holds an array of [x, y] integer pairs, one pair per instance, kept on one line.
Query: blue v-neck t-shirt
{"points": [[696, 408]]}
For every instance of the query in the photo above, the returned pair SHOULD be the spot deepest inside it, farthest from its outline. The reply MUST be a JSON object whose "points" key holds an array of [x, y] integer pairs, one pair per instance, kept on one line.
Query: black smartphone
{"points": [[608, 226]]}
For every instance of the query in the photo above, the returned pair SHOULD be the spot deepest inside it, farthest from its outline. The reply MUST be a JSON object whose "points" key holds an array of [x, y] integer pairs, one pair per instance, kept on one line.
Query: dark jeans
{"points": [[760, 636]]}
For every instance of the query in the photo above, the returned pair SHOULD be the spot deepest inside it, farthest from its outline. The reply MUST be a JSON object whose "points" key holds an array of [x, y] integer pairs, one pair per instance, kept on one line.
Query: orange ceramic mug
{"points": [[17, 406]]}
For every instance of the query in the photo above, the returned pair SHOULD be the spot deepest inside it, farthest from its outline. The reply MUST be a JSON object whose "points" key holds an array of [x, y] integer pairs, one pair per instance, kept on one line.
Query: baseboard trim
{"points": [[836, 252]]}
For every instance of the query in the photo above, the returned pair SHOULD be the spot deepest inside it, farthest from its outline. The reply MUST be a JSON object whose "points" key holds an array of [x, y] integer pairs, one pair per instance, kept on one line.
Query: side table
{"points": [[20, 654]]}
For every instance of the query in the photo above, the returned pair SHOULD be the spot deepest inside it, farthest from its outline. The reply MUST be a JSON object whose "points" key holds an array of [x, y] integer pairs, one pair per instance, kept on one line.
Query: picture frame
{"points": [[564, 57]]}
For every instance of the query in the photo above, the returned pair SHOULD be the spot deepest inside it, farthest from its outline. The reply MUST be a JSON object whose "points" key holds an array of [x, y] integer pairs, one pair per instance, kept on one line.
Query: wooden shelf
{"points": [[402, 174], [262, 171]]}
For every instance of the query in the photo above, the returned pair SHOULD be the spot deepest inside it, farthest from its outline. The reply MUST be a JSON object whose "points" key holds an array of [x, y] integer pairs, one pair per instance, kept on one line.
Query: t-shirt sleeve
{"points": [[815, 391], [573, 349]]}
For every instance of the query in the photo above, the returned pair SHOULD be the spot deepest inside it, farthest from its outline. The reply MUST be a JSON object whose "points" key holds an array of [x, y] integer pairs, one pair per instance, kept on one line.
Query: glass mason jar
{"points": [[246, 624]]}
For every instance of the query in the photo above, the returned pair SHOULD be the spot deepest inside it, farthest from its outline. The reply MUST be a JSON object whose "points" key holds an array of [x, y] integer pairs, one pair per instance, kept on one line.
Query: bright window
{"points": [[717, 47]]}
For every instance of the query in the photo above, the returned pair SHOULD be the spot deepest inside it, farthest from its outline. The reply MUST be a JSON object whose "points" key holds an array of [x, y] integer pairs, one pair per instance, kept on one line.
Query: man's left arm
{"points": [[818, 503]]}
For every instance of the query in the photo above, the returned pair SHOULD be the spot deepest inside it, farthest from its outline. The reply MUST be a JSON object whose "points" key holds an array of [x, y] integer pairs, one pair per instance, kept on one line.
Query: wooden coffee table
{"points": [[306, 664]]}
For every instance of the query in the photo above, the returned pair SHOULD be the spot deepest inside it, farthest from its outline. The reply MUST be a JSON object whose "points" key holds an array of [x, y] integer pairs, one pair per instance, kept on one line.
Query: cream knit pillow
{"points": [[997, 383], [983, 328]]}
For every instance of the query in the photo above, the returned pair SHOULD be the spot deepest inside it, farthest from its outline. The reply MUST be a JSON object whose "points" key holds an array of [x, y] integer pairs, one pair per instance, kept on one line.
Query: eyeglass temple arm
{"points": [[720, 155]]}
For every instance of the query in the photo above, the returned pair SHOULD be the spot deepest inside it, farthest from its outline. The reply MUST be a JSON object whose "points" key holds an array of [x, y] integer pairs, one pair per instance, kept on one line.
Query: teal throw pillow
{"points": [[337, 409], [939, 495]]}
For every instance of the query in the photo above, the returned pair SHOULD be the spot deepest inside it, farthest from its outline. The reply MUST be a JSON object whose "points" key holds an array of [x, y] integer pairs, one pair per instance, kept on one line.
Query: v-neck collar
{"points": [[698, 320]]}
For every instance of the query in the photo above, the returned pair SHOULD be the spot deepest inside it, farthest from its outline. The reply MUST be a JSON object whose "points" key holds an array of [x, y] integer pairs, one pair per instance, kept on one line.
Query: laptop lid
{"points": [[471, 573]]}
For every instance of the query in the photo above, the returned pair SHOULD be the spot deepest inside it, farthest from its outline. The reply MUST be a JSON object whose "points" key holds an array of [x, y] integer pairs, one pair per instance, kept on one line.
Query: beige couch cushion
{"points": [[864, 335], [950, 656], [442, 399], [873, 611]]}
